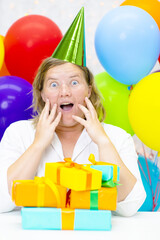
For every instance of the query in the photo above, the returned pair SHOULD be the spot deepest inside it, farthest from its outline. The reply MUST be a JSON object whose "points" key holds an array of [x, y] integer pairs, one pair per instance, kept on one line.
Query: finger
{"points": [[57, 120], [45, 111], [52, 113], [79, 120], [90, 107], [85, 111]]}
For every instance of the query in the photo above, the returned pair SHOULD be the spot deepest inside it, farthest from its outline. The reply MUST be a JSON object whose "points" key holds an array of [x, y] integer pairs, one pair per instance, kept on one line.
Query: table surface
{"points": [[143, 225]]}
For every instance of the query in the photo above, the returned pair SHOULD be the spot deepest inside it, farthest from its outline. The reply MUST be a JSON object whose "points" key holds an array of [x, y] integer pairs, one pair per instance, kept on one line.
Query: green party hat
{"points": [[72, 46]]}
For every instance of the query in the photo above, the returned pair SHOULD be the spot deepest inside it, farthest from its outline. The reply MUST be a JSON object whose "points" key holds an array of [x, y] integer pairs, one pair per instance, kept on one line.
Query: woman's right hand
{"points": [[46, 125]]}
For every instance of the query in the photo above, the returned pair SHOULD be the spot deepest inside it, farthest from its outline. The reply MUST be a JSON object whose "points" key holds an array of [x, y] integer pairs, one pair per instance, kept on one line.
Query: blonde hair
{"points": [[38, 103]]}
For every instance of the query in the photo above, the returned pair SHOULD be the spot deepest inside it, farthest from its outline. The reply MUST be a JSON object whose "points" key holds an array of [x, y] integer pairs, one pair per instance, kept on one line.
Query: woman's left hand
{"points": [[91, 123]]}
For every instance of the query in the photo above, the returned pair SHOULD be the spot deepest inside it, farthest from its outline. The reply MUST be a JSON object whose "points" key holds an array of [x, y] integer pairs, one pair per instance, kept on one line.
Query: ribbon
{"points": [[109, 184], [94, 199], [67, 215], [115, 167], [70, 164], [92, 159], [41, 181]]}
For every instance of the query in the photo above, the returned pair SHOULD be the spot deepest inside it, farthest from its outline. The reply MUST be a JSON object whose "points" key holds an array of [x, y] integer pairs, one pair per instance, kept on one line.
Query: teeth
{"points": [[65, 103]]}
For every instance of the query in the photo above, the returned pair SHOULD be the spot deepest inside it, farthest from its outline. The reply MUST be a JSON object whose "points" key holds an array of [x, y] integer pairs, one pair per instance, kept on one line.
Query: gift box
{"points": [[65, 219], [109, 170], [40, 192], [74, 176], [102, 199]]}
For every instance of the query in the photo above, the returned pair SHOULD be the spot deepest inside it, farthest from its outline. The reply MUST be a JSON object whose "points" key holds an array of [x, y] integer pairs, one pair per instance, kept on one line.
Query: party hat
{"points": [[72, 46]]}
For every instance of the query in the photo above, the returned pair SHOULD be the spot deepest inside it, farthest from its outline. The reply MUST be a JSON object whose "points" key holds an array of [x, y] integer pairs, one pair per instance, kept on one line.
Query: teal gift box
{"points": [[107, 171], [65, 219]]}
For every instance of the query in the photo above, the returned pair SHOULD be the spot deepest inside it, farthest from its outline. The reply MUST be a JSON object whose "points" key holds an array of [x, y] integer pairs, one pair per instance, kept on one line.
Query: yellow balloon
{"points": [[1, 52], [144, 110]]}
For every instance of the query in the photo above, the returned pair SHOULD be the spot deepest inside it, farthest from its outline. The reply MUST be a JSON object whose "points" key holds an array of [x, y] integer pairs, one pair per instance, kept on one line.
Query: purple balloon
{"points": [[15, 100], [156, 71]]}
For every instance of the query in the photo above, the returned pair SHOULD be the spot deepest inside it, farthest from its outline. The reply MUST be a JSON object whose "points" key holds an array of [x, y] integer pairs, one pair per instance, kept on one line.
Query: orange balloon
{"points": [[4, 70], [150, 6]]}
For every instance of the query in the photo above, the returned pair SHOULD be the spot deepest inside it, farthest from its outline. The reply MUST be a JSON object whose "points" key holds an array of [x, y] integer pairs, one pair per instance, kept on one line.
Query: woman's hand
{"points": [[92, 123], [46, 125]]}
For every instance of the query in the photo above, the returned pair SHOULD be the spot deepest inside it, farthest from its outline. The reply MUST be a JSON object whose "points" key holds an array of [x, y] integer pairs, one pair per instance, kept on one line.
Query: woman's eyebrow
{"points": [[73, 76], [54, 78], [51, 78]]}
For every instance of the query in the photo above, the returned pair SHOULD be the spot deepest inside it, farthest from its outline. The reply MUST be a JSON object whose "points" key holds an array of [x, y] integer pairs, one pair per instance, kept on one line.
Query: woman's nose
{"points": [[65, 90]]}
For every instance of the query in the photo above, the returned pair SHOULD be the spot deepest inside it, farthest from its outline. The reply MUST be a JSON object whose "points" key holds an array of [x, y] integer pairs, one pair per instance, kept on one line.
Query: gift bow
{"points": [[41, 181], [93, 161], [70, 164]]}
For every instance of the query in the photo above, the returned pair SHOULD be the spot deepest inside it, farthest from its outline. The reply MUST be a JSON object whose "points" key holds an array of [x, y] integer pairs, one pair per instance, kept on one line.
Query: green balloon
{"points": [[115, 101]]}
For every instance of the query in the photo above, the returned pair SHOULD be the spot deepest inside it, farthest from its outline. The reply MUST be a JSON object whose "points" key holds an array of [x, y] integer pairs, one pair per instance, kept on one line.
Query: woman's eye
{"points": [[74, 82], [54, 84]]}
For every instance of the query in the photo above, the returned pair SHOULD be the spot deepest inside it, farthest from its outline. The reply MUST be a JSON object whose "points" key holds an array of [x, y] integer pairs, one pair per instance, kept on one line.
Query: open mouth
{"points": [[66, 106]]}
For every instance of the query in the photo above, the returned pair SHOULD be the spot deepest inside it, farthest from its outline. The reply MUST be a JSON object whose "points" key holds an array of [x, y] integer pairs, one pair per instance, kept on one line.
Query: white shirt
{"points": [[20, 135]]}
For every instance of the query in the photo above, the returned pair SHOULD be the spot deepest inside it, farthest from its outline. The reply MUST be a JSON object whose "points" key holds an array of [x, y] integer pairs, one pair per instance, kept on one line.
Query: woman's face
{"points": [[66, 86]]}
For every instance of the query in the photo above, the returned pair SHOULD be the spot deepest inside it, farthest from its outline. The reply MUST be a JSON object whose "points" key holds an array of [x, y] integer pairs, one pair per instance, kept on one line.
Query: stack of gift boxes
{"points": [[70, 196]]}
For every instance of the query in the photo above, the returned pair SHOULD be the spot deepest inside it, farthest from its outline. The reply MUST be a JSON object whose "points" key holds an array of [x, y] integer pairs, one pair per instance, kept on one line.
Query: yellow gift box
{"points": [[74, 176], [102, 199], [115, 167], [40, 192]]}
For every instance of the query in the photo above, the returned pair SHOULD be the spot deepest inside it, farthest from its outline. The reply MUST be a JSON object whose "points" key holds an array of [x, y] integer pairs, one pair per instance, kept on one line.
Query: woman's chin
{"points": [[68, 122]]}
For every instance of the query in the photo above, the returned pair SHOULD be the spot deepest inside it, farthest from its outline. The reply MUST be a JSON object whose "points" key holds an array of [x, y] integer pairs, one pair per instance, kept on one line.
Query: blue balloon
{"points": [[155, 183], [127, 43], [15, 100]]}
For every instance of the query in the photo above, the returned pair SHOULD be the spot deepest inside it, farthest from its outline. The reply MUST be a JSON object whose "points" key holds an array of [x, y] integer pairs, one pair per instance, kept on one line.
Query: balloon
{"points": [[28, 41], [154, 173], [1, 52], [15, 99], [150, 6], [156, 71], [116, 96], [144, 110], [3, 70], [127, 43]]}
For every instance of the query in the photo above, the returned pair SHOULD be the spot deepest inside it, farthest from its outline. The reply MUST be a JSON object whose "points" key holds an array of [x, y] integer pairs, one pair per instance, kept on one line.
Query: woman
{"points": [[67, 125]]}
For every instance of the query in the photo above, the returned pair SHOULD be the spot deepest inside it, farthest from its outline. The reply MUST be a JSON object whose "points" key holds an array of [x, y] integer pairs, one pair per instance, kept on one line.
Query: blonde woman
{"points": [[68, 123]]}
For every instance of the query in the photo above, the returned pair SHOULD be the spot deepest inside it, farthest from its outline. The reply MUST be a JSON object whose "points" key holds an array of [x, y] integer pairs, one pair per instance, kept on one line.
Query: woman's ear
{"points": [[89, 91]]}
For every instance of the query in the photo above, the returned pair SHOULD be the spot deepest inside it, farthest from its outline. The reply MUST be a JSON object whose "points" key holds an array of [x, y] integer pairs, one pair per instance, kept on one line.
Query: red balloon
{"points": [[28, 41]]}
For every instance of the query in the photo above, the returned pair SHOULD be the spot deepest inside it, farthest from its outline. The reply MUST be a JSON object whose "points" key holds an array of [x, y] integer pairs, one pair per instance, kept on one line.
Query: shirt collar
{"points": [[81, 144]]}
